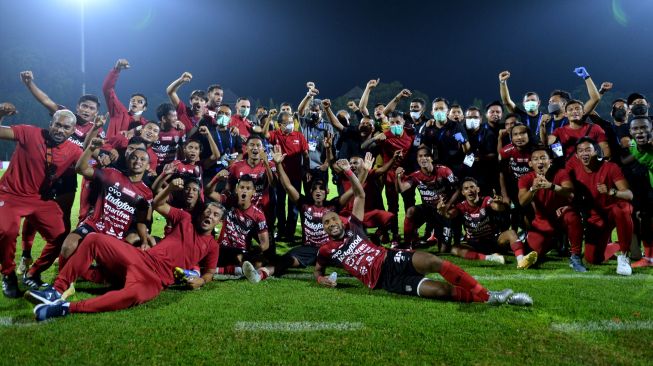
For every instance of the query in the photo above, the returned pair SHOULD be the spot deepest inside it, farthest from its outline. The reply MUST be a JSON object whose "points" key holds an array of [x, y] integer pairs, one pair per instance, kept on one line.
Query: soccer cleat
{"points": [[23, 266], [499, 297], [644, 262], [33, 282], [47, 311], [527, 261], [183, 275], [251, 273], [520, 299], [496, 257], [46, 296], [10, 286], [576, 263], [623, 265]]}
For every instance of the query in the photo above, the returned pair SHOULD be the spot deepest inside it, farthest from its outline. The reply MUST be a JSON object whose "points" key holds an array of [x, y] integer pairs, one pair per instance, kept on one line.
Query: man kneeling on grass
{"points": [[401, 271], [145, 274]]}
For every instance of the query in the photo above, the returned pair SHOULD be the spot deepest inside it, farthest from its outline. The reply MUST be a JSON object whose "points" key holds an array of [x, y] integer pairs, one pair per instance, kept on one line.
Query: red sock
{"points": [[227, 270], [62, 262], [648, 249], [457, 277], [409, 234], [517, 247], [461, 295], [610, 250], [474, 255], [263, 272]]}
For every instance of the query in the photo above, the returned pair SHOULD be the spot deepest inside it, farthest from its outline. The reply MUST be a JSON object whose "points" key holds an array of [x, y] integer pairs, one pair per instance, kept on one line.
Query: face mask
{"points": [[289, 127], [472, 123], [314, 117], [554, 108], [397, 130], [639, 110], [344, 121], [531, 106], [619, 114], [223, 120], [415, 115], [366, 129], [440, 116], [137, 113], [243, 111]]}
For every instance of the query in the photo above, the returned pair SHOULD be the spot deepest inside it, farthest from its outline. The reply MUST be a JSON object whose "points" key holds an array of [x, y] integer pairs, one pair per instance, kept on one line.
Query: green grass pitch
{"points": [[596, 318]]}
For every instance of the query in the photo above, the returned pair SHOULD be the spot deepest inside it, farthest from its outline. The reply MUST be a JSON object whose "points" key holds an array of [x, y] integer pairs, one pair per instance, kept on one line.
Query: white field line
{"points": [[7, 321], [602, 326], [295, 326], [525, 277]]}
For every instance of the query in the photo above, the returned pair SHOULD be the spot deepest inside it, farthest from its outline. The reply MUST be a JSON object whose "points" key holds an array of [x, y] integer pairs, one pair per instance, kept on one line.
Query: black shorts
{"points": [[487, 245], [304, 254], [83, 230], [229, 256], [398, 274]]}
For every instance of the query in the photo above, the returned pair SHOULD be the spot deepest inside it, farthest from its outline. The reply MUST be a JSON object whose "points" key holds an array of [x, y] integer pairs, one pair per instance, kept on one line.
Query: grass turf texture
{"points": [[201, 326]]}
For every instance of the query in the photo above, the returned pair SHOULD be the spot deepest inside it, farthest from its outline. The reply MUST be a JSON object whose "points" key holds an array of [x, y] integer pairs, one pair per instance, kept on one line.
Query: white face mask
{"points": [[415, 115], [289, 127], [530, 105], [472, 123], [137, 113]]}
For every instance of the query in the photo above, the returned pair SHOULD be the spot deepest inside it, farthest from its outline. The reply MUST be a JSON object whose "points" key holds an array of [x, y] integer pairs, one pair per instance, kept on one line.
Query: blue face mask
{"points": [[223, 120], [440, 116], [244, 112], [397, 130], [530, 105]]}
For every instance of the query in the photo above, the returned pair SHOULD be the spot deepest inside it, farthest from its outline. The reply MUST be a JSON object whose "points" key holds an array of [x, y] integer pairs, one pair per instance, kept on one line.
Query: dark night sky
{"points": [[266, 48]]}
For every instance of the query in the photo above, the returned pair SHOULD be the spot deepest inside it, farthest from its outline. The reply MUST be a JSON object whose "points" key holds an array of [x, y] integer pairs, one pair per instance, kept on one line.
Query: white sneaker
{"points": [[251, 273], [520, 299], [623, 265], [496, 257]]}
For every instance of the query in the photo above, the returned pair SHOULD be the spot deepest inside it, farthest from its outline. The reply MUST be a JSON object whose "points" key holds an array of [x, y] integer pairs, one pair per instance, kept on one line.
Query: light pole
{"points": [[83, 56]]}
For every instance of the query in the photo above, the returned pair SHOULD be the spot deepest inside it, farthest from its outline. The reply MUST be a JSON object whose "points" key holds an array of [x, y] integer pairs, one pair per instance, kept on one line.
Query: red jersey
{"points": [[168, 145], [115, 209], [546, 201], [26, 175], [515, 161], [293, 145], [355, 253], [608, 173], [311, 216], [187, 118], [261, 184], [440, 184], [391, 144], [568, 136], [120, 117], [120, 142], [476, 220], [183, 247], [187, 168], [372, 188], [243, 124], [239, 226]]}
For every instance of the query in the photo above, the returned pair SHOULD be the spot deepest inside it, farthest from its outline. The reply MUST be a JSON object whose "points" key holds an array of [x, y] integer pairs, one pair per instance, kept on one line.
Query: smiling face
{"points": [[61, 127], [318, 193], [586, 153], [640, 130], [333, 225], [574, 112], [138, 162], [424, 160], [150, 133], [540, 162], [519, 136], [210, 217]]}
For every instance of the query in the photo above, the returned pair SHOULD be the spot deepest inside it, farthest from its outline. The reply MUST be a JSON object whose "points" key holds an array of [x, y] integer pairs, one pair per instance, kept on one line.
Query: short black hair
{"points": [[586, 139], [455, 106], [213, 87], [140, 149], [562, 94], [241, 99], [136, 140], [528, 94], [200, 94], [140, 95], [89, 98], [395, 114], [473, 108], [428, 150], [418, 100], [618, 100], [515, 115], [633, 96], [439, 99], [193, 140], [163, 109], [493, 103], [572, 102], [542, 147], [254, 136], [468, 179], [318, 182], [246, 178]]}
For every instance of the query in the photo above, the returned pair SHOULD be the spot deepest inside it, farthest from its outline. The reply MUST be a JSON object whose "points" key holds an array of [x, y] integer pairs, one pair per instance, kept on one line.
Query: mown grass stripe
{"points": [[527, 277], [295, 326], [602, 326]]}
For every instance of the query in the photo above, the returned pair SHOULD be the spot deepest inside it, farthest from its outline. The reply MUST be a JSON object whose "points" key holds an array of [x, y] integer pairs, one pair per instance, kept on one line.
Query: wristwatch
{"points": [[612, 192]]}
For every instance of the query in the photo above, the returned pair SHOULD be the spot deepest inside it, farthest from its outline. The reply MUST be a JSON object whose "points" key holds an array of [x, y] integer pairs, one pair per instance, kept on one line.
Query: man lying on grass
{"points": [[401, 271], [145, 274]]}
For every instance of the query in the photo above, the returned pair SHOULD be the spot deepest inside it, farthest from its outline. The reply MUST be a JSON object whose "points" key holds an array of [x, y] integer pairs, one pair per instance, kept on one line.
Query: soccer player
{"points": [[123, 203], [242, 221], [40, 158], [401, 272], [149, 133], [641, 149], [482, 232], [513, 165], [602, 184], [144, 274], [549, 191], [122, 119], [172, 135], [198, 101], [434, 183]]}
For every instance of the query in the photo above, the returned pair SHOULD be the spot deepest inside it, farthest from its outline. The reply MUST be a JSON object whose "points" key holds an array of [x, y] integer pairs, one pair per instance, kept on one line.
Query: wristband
{"points": [[349, 173]]}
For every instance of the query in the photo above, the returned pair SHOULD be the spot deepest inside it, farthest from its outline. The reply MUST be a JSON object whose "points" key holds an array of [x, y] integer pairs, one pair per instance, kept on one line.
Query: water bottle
{"points": [[333, 276]]}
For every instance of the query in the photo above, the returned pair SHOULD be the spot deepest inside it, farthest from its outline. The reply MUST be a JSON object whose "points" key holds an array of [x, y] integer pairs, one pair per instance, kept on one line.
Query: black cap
{"points": [[633, 96]]}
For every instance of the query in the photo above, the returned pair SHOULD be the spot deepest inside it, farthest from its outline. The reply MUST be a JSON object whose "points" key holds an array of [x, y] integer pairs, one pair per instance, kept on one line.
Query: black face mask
{"points": [[314, 117], [344, 121], [619, 114], [639, 110], [366, 129]]}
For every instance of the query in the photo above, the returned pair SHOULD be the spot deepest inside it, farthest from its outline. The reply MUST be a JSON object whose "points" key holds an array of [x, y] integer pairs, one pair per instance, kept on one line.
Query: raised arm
{"points": [[312, 92], [392, 104], [6, 109], [400, 184], [28, 79], [215, 152], [362, 104], [277, 157], [368, 163], [595, 97], [358, 211], [82, 167], [160, 202], [171, 90], [100, 120], [265, 130], [505, 93], [331, 117]]}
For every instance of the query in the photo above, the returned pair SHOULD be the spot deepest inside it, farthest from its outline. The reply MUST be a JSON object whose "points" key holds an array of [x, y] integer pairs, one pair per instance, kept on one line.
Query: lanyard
{"points": [[528, 121], [553, 126], [231, 141]]}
